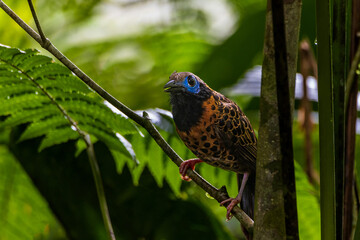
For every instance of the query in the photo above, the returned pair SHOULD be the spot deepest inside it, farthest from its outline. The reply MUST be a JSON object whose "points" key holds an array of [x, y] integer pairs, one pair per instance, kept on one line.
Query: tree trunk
{"points": [[274, 194]]}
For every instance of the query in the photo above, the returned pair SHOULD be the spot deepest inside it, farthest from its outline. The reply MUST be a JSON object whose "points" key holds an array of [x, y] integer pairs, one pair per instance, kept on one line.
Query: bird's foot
{"points": [[232, 204], [237, 200], [184, 166]]}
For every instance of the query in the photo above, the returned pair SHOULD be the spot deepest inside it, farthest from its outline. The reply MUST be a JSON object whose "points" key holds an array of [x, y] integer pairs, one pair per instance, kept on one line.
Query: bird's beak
{"points": [[173, 86]]}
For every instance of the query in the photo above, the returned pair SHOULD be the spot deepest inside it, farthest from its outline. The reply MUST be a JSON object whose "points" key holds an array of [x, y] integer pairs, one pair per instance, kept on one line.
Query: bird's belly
{"points": [[204, 143], [224, 163]]}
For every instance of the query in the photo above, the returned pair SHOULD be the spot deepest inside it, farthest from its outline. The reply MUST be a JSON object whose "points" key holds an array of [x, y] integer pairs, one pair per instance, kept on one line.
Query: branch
{"points": [[351, 76], [308, 66], [99, 186], [45, 41], [144, 121]]}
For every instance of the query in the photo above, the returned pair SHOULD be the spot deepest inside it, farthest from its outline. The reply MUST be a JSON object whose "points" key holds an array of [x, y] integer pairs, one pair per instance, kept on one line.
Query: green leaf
{"points": [[17, 103], [65, 83], [156, 162], [58, 136], [308, 206], [29, 115], [172, 171], [109, 138], [9, 90], [100, 113], [7, 53], [28, 63], [7, 77], [24, 212], [139, 144], [22, 57], [120, 161], [44, 126], [47, 95]]}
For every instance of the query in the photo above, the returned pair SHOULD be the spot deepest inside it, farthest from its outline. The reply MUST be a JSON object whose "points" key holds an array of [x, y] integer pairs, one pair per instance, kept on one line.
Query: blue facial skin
{"points": [[192, 89]]}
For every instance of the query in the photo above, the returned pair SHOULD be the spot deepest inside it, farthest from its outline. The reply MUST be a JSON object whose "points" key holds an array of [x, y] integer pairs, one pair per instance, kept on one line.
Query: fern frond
{"points": [[8, 53], [29, 61], [35, 90], [48, 71], [44, 126], [58, 136], [21, 58], [103, 113], [29, 115], [16, 103], [10, 72], [110, 139], [66, 83], [68, 96], [10, 90], [11, 80]]}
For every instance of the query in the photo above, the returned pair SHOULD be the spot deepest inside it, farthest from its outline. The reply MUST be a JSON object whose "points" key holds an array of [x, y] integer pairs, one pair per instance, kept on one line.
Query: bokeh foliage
{"points": [[133, 65]]}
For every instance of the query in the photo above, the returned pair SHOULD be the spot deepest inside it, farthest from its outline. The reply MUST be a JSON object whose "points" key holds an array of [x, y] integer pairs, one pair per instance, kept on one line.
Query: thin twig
{"points": [[218, 194], [99, 187], [351, 76], [308, 67], [45, 41]]}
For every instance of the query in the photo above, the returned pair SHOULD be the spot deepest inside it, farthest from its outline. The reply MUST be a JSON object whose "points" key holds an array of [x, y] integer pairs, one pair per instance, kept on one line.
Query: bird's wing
{"points": [[235, 131]]}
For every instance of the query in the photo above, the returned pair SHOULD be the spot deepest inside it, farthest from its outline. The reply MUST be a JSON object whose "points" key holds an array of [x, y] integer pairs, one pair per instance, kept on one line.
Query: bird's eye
{"points": [[191, 80]]}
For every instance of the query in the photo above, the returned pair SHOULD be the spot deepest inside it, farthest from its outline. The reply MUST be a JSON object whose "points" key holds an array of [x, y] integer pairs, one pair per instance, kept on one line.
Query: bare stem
{"points": [[351, 76], [99, 187], [144, 121], [38, 26]]}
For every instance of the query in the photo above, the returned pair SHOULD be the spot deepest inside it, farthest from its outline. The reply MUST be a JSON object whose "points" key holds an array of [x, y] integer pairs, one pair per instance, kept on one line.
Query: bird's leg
{"points": [[237, 200], [184, 166]]}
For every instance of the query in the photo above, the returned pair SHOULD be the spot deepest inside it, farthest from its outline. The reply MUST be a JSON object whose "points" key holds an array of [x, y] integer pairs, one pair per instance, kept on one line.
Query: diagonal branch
{"points": [[144, 121]]}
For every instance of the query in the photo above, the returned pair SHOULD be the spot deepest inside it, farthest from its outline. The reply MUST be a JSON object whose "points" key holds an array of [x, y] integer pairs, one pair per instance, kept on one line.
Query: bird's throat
{"points": [[187, 111]]}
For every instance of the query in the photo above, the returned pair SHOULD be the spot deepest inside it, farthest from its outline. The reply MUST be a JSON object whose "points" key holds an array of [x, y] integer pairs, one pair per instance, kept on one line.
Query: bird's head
{"points": [[187, 96], [187, 84]]}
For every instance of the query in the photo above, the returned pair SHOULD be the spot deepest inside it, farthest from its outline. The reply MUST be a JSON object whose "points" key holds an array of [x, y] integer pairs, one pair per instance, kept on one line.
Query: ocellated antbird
{"points": [[216, 130]]}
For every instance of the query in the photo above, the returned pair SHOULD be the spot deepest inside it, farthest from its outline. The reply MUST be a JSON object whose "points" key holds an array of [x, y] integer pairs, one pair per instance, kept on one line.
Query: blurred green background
{"points": [[130, 47]]}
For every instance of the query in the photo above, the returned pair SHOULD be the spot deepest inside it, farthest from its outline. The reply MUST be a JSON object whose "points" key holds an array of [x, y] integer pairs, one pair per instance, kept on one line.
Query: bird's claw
{"points": [[185, 178], [184, 166], [229, 208]]}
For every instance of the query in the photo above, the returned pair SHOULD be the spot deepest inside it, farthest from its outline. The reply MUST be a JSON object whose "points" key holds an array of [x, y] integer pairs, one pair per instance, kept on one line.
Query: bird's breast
{"points": [[205, 142]]}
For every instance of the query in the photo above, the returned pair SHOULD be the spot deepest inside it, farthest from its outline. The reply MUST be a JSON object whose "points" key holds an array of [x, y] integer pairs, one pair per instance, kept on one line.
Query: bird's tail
{"points": [[248, 199]]}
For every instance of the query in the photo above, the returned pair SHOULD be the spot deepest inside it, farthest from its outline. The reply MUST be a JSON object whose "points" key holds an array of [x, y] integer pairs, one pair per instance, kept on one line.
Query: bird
{"points": [[216, 130]]}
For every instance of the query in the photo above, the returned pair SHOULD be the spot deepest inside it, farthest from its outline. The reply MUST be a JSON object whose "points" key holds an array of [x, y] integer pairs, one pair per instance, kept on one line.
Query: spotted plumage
{"points": [[216, 130], [213, 127]]}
